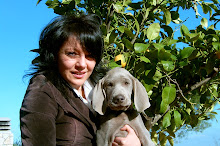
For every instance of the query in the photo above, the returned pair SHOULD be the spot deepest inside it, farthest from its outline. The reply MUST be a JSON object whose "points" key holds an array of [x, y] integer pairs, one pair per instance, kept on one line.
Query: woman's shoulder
{"points": [[40, 86], [38, 82], [39, 98]]}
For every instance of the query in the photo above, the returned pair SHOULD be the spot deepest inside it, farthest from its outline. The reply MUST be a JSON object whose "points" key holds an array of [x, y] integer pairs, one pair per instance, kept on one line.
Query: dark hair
{"points": [[86, 29]]}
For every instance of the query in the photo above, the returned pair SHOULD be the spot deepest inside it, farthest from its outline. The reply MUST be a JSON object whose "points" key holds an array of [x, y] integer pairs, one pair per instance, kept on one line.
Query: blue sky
{"points": [[20, 27]]}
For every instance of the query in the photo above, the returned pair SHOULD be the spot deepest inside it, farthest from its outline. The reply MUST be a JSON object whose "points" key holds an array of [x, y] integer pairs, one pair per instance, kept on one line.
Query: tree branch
{"points": [[179, 89], [108, 21], [197, 85], [151, 121]]}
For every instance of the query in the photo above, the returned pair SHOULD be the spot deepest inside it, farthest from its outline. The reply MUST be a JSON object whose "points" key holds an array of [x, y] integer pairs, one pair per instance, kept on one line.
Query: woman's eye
{"points": [[71, 53]]}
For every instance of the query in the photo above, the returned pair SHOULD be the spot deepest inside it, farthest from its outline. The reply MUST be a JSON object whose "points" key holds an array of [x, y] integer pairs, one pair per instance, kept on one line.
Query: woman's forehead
{"points": [[72, 44]]}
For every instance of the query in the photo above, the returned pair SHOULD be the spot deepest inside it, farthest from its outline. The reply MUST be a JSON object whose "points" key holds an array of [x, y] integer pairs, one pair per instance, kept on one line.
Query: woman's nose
{"points": [[81, 63]]}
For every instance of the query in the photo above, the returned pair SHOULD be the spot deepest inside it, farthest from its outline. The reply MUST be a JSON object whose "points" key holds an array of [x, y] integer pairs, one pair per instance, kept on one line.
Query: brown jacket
{"points": [[48, 119]]}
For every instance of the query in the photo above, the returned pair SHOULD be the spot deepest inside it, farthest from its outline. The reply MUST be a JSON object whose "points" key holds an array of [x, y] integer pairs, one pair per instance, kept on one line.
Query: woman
{"points": [[56, 109]]}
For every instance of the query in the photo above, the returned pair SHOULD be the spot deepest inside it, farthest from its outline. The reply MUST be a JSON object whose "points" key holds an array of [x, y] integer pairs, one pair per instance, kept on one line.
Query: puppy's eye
{"points": [[109, 84], [127, 83]]}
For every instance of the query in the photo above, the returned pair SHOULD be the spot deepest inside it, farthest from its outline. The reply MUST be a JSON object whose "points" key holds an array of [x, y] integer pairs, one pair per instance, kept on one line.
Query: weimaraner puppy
{"points": [[114, 98]]}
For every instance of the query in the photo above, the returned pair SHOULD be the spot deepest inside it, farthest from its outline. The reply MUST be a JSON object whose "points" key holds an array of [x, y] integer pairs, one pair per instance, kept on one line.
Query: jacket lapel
{"points": [[74, 105]]}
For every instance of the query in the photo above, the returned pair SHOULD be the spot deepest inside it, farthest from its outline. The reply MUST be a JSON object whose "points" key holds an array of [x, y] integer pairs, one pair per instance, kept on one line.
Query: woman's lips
{"points": [[79, 75]]}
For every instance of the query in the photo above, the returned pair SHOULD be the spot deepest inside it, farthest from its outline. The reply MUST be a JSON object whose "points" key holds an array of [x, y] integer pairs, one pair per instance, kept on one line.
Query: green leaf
{"points": [[168, 94], [215, 38], [48, 3], [104, 30], [188, 111], [211, 27], [174, 15], [168, 65], [154, 136], [112, 37], [162, 139], [129, 32], [139, 67], [164, 55], [194, 121], [204, 22], [120, 45], [216, 1], [38, 1], [173, 57], [167, 15], [137, 26], [126, 2], [147, 72], [147, 13], [216, 45], [205, 8], [127, 43], [145, 59], [157, 76], [153, 31], [171, 141], [121, 29], [77, 2], [177, 21], [170, 42], [186, 52], [168, 30], [166, 120], [113, 64], [158, 46], [118, 7], [136, 5], [192, 37], [184, 30], [140, 47], [163, 107], [183, 63], [66, 1], [172, 128], [196, 10], [177, 118], [52, 4]]}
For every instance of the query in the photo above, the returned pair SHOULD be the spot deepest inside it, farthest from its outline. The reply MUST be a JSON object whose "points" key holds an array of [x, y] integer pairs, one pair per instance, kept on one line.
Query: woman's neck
{"points": [[81, 92]]}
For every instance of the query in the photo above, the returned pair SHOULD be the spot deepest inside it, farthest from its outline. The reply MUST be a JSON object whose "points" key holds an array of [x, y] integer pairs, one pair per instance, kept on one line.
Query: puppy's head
{"points": [[118, 89], [115, 91]]}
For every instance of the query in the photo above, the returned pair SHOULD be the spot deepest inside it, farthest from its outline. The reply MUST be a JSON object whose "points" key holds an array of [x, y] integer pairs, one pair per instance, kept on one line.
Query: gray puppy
{"points": [[112, 99]]}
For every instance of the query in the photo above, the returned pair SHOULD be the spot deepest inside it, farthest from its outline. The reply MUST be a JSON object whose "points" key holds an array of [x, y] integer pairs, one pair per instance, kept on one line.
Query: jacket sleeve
{"points": [[37, 118]]}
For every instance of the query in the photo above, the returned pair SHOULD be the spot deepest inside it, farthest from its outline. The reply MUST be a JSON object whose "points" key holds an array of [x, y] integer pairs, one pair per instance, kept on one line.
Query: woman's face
{"points": [[75, 64]]}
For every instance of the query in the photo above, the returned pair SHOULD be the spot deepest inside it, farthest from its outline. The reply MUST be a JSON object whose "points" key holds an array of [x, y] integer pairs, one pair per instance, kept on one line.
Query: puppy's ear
{"points": [[98, 98], [141, 100]]}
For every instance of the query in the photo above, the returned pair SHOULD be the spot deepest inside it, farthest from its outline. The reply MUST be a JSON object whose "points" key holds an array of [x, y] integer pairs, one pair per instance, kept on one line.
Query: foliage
{"points": [[182, 83]]}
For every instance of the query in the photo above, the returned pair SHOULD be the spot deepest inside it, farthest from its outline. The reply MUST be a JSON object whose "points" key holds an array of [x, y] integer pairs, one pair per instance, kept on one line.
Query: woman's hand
{"points": [[130, 140]]}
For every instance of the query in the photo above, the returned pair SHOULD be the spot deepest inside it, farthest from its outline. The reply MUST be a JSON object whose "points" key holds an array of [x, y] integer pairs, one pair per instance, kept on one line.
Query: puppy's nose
{"points": [[118, 99]]}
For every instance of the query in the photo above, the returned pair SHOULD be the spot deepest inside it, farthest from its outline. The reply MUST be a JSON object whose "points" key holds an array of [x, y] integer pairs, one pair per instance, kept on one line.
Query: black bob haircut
{"points": [[86, 29]]}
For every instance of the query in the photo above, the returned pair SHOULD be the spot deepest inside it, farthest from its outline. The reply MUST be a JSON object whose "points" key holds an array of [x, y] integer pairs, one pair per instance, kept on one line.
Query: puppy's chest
{"points": [[121, 118], [117, 120]]}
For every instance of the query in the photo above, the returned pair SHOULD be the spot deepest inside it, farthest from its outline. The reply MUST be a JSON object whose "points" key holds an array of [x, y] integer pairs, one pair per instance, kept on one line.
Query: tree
{"points": [[182, 81]]}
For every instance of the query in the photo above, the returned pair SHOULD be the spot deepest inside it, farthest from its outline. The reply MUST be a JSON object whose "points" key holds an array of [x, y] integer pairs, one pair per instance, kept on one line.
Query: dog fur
{"points": [[114, 98]]}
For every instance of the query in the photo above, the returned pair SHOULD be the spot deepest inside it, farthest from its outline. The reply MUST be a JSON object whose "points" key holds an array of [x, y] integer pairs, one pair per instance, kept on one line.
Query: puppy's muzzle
{"points": [[119, 99], [119, 102]]}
